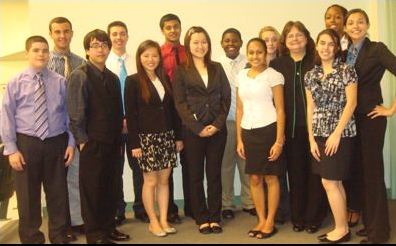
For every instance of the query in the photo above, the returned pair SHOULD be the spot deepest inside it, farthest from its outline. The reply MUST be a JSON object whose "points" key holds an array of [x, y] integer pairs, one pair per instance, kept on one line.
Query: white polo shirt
{"points": [[257, 98]]}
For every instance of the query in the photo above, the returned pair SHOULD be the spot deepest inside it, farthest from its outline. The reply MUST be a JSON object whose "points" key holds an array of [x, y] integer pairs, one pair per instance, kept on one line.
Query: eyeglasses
{"points": [[104, 45], [293, 36]]}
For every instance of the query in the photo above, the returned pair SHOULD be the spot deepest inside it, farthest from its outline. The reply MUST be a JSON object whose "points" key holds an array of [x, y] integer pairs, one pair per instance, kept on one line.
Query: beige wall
{"points": [[142, 18]]}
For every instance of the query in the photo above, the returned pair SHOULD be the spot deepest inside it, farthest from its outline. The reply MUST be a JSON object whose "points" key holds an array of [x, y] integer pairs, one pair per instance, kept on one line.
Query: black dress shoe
{"points": [[361, 233], [366, 241], [70, 237], [216, 229], [321, 236], [205, 230], [174, 218], [298, 228], [312, 229], [142, 217], [268, 235], [119, 219], [251, 211], [103, 241], [343, 239], [118, 236], [227, 214]]}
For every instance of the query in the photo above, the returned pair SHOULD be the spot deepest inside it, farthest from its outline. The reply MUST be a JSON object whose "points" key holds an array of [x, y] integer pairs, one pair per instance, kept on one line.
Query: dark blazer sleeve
{"points": [[180, 97], [131, 110], [220, 120], [175, 116], [387, 58]]}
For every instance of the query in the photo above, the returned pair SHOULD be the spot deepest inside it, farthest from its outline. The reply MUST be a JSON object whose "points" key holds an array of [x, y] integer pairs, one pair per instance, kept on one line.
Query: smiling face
{"points": [[150, 58], [296, 41], [119, 37], [334, 19], [231, 44], [199, 45], [98, 52], [62, 35], [356, 27], [271, 39], [326, 48], [172, 31], [38, 55], [256, 55]]}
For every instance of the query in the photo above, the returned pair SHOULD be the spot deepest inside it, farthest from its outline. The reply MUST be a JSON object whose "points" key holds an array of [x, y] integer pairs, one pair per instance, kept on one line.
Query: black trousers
{"points": [[137, 176], [308, 201], [45, 165], [353, 185], [205, 155], [98, 189], [186, 183], [371, 135]]}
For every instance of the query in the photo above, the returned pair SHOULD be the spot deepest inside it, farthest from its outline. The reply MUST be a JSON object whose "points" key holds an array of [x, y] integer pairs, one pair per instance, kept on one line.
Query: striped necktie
{"points": [[40, 109], [233, 75], [68, 68]]}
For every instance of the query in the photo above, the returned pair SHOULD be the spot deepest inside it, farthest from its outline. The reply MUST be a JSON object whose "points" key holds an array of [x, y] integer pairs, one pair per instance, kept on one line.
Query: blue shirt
{"points": [[18, 107], [353, 52]]}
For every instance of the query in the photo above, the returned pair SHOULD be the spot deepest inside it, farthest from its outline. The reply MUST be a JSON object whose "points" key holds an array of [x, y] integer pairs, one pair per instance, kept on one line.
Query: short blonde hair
{"points": [[269, 29]]}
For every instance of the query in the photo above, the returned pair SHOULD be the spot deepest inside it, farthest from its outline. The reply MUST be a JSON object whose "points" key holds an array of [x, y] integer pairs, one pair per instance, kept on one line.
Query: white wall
{"points": [[142, 18]]}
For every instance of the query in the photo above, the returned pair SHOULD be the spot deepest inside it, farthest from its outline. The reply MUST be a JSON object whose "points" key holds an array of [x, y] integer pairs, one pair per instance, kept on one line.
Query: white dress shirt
{"points": [[232, 68], [257, 98], [114, 65]]}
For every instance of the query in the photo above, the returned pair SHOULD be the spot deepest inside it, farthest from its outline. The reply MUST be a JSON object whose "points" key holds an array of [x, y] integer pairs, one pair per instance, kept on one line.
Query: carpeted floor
{"points": [[235, 231]]}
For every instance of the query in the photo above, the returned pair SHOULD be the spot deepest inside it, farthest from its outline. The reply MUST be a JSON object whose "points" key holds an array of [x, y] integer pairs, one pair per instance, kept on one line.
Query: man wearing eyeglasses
{"points": [[95, 109]]}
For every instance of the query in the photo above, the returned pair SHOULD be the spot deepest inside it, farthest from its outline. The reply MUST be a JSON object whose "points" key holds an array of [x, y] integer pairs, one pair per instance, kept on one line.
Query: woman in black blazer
{"points": [[153, 131], [308, 202], [371, 60], [203, 98]]}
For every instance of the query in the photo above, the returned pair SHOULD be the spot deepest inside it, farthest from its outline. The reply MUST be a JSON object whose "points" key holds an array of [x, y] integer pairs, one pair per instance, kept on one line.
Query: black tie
{"points": [[176, 51]]}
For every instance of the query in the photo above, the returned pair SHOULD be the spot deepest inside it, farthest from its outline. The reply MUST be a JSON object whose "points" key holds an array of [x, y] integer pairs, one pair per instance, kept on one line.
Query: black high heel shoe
{"points": [[343, 239]]}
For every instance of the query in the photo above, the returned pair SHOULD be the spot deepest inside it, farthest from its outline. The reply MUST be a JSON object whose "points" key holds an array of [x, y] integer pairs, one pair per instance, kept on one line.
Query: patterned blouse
{"points": [[330, 98]]}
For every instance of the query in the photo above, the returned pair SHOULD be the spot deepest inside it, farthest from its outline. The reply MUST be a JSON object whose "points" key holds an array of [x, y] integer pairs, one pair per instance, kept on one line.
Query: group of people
{"points": [[311, 110]]}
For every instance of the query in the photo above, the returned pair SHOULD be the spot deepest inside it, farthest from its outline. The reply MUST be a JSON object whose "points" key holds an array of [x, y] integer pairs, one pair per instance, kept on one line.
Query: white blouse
{"points": [[257, 99], [159, 87]]}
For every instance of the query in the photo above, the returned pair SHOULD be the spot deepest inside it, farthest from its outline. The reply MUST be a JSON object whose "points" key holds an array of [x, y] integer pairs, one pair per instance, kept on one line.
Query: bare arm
{"points": [[238, 119], [276, 149], [310, 109]]}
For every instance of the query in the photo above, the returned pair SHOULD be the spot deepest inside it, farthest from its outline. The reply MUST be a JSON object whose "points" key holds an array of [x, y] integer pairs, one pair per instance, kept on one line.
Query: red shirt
{"points": [[169, 58]]}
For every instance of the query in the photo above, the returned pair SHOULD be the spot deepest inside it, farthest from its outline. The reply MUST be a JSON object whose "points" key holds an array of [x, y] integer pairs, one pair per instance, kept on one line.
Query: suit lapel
{"points": [[211, 76], [362, 54]]}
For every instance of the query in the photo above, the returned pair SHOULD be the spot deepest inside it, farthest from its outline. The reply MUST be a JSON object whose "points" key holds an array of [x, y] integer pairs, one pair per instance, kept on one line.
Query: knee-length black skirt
{"points": [[258, 143], [335, 167]]}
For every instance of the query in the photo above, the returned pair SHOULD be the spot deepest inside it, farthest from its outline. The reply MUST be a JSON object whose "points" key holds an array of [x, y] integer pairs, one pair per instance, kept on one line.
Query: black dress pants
{"points": [[98, 188], [371, 135], [205, 155], [137, 177], [45, 165], [308, 201]]}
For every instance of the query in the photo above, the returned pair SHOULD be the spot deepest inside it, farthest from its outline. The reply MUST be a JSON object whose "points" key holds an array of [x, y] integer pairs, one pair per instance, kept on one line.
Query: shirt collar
{"points": [[357, 46], [96, 70], [238, 59], [113, 55], [32, 72], [169, 46], [59, 55]]}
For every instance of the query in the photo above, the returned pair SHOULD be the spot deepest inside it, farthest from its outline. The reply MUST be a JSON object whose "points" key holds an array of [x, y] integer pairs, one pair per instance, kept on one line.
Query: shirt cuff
{"points": [[10, 148]]}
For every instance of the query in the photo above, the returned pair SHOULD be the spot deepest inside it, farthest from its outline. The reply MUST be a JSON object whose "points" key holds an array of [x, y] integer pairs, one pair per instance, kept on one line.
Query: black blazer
{"points": [[372, 61], [152, 117], [197, 105]]}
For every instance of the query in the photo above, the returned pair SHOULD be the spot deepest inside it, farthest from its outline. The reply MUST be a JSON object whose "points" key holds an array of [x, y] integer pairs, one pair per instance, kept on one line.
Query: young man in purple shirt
{"points": [[38, 143]]}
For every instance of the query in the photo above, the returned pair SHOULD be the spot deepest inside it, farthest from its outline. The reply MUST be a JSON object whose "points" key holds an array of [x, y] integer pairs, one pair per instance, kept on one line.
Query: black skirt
{"points": [[258, 143], [158, 151], [335, 167]]}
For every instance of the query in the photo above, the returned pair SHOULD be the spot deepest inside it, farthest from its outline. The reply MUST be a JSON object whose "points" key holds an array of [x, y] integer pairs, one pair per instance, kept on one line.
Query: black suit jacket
{"points": [[372, 61], [197, 105], [152, 117]]}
